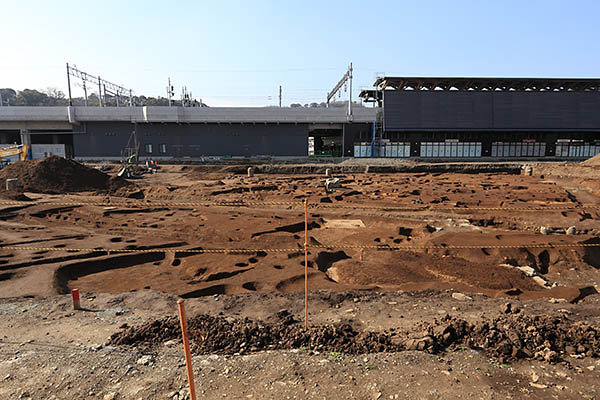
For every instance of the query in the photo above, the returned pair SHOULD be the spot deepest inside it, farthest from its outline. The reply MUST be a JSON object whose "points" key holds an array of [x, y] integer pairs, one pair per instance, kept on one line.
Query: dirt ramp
{"points": [[592, 162], [13, 195], [57, 175]]}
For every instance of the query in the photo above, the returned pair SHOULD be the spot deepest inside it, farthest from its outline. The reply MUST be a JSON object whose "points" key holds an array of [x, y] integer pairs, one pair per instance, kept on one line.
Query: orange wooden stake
{"points": [[76, 303], [305, 264], [186, 349]]}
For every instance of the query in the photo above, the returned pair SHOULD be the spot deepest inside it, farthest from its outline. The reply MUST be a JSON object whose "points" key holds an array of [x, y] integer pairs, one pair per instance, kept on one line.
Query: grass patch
{"points": [[336, 356]]}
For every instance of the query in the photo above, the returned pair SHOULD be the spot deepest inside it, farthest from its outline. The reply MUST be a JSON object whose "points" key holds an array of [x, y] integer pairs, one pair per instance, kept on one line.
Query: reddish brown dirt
{"points": [[411, 323], [439, 218], [58, 175]]}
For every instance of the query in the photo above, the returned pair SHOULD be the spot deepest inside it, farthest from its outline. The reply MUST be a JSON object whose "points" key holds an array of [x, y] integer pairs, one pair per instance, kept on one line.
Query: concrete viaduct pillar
{"points": [[25, 137]]}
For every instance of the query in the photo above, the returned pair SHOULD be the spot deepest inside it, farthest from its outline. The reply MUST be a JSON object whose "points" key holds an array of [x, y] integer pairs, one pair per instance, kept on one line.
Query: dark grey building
{"points": [[192, 140], [93, 133], [487, 117]]}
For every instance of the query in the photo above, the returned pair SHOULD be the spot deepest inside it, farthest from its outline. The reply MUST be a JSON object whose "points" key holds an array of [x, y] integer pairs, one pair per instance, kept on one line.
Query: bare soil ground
{"points": [[412, 323]]}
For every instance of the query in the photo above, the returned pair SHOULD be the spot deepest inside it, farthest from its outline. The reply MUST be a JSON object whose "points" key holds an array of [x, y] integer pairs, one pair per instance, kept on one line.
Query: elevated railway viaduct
{"points": [[412, 117]]}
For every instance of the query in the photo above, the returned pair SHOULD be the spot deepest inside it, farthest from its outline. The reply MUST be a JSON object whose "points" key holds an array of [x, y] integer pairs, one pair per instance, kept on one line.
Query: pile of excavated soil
{"points": [[593, 162], [57, 175], [511, 336]]}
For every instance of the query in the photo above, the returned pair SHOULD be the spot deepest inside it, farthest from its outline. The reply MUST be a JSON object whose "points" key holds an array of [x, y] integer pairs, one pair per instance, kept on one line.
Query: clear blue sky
{"points": [[239, 52]]}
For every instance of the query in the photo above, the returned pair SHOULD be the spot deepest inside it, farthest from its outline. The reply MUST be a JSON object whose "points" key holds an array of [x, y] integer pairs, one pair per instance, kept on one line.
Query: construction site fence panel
{"points": [[578, 150], [451, 149], [518, 149], [384, 149]]}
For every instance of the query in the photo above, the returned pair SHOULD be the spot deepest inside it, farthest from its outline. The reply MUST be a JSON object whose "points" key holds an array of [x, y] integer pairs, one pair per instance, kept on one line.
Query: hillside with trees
{"points": [[54, 97]]}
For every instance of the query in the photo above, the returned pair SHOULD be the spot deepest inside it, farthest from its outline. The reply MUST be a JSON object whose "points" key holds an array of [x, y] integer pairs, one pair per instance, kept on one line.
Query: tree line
{"points": [[54, 97]]}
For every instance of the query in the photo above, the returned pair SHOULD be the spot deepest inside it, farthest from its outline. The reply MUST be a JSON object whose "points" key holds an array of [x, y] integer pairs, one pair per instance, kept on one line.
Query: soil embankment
{"points": [[57, 175]]}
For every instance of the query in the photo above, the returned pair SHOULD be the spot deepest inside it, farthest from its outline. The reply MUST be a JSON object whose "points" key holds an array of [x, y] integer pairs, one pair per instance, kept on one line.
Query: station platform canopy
{"points": [[466, 84]]}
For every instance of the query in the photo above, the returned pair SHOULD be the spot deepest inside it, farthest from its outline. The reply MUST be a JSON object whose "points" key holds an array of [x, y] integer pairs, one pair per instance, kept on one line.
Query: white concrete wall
{"points": [[184, 114], [39, 151], [33, 114]]}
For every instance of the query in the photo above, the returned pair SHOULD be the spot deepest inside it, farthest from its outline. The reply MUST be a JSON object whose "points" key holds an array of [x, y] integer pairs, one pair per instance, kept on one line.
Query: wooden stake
{"points": [[186, 349], [305, 264], [76, 303]]}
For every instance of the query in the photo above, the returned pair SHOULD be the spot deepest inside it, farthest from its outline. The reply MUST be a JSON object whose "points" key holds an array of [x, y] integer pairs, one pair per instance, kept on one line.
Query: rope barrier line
{"points": [[196, 251], [299, 249], [299, 204], [446, 247], [540, 208], [363, 207], [431, 208], [152, 204]]}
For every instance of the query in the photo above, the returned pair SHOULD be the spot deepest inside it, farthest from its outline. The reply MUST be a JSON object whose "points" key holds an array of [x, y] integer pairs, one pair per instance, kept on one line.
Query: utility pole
{"points": [[346, 80], [69, 84], [1, 102], [187, 98], [350, 116], [170, 91], [85, 93], [100, 92], [346, 83], [279, 96]]}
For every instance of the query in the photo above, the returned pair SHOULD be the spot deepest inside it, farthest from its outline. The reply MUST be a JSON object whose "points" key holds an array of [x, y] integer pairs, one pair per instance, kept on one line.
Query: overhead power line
{"points": [[344, 82], [88, 81]]}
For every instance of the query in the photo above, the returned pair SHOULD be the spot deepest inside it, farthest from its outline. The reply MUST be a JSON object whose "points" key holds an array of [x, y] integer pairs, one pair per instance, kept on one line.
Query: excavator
{"points": [[22, 150]]}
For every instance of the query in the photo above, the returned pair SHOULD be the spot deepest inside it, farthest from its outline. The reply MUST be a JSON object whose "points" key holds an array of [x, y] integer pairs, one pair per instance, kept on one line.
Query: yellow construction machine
{"points": [[21, 150]]}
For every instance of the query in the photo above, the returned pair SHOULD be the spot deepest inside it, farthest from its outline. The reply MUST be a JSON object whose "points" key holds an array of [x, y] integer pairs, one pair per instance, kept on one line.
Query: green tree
{"points": [[55, 97], [31, 97], [8, 96]]}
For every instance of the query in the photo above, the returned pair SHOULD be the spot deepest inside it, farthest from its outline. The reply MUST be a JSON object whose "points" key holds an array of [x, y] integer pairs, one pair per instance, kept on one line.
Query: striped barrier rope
{"points": [[320, 246]]}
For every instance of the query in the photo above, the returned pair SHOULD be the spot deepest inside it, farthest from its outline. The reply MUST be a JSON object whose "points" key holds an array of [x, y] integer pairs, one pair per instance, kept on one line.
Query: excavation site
{"points": [[468, 269]]}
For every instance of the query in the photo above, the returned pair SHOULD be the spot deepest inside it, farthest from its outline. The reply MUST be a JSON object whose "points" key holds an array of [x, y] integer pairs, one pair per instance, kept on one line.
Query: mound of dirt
{"points": [[226, 336], [57, 175], [507, 337], [593, 162], [547, 338]]}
